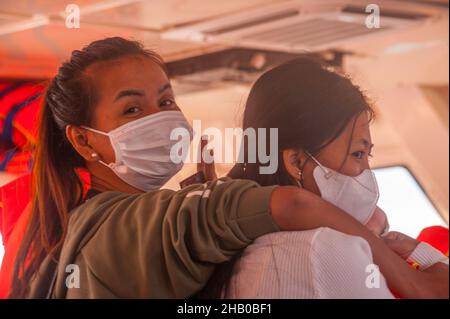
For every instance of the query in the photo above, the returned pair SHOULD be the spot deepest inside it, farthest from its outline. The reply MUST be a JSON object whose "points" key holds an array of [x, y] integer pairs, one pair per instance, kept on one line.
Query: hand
{"points": [[430, 283], [436, 283], [294, 208], [378, 223], [402, 244], [209, 170]]}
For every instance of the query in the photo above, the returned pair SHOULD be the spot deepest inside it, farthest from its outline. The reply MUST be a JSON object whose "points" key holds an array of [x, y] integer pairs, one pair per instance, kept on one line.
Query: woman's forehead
{"points": [[362, 125], [126, 72], [362, 120], [356, 130]]}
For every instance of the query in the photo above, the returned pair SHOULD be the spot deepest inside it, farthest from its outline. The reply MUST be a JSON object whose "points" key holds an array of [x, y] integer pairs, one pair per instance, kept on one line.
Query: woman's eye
{"points": [[166, 102], [358, 154], [132, 110]]}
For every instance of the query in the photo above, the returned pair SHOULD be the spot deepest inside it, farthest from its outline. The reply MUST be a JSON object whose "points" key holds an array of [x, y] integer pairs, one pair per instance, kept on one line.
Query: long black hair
{"points": [[56, 187], [310, 105]]}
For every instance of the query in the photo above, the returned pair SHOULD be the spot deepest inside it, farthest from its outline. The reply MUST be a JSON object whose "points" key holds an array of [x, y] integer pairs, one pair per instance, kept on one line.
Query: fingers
{"points": [[393, 243], [392, 235], [402, 244], [395, 235], [378, 222], [208, 169]]}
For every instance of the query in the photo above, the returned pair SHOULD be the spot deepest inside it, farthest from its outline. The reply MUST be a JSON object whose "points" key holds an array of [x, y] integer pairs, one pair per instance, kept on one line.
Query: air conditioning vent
{"points": [[313, 33], [299, 26], [253, 22]]}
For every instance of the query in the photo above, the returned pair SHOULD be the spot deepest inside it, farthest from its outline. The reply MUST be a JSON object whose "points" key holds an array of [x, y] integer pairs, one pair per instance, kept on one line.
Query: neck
{"points": [[103, 179]]}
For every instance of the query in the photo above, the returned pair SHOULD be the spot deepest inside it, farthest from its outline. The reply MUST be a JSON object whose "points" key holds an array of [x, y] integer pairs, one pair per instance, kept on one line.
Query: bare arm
{"points": [[297, 209]]}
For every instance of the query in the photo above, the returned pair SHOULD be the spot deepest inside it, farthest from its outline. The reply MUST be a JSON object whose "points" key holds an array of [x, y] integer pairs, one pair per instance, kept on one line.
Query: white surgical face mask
{"points": [[356, 195], [142, 149]]}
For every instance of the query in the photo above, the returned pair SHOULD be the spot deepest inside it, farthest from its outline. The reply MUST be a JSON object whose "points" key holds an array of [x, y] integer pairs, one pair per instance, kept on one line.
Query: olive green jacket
{"points": [[161, 244]]}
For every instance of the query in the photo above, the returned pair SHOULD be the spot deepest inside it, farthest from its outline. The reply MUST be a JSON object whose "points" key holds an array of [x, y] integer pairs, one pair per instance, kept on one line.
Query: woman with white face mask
{"points": [[325, 145], [110, 110]]}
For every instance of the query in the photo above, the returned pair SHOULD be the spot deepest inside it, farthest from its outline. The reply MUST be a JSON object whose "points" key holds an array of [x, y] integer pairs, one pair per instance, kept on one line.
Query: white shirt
{"points": [[319, 263]]}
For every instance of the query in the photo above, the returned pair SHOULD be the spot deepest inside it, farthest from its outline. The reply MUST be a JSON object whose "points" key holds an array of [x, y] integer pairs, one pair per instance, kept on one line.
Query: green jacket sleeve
{"points": [[165, 244]]}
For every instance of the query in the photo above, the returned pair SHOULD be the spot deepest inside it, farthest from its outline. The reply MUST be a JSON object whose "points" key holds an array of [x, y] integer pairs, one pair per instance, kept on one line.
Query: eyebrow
{"points": [[164, 87], [136, 92], [130, 92], [366, 143]]}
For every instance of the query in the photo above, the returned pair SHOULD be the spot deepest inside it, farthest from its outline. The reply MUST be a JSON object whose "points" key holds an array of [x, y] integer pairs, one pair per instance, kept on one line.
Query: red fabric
{"points": [[436, 236], [11, 249], [19, 163], [16, 221], [25, 122], [14, 216], [14, 197]]}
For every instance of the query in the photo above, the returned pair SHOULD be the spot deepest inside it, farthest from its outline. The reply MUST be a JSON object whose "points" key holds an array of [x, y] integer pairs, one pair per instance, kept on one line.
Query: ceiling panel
{"points": [[37, 52], [160, 15], [7, 19], [30, 7], [148, 14], [30, 50]]}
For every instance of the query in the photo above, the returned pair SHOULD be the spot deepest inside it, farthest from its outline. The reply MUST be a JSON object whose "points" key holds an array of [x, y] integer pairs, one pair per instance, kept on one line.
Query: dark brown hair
{"points": [[56, 187], [311, 106]]}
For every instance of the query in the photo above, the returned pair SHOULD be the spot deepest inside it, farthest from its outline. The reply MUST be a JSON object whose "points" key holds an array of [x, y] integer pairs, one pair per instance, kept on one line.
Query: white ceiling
{"points": [[34, 38], [37, 50]]}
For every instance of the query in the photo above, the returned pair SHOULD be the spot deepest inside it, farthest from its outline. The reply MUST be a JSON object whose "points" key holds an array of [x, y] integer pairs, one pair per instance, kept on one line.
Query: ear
{"points": [[78, 137], [293, 160]]}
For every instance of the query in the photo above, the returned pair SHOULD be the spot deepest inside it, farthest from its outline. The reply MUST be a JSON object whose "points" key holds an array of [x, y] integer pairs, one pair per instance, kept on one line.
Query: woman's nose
{"points": [[365, 164]]}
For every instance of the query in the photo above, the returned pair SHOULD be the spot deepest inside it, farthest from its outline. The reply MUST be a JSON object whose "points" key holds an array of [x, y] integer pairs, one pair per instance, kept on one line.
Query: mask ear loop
{"points": [[96, 155], [328, 173], [94, 130]]}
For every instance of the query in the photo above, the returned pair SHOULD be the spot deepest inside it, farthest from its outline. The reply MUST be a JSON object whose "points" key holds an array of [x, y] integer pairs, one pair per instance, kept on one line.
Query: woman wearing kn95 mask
{"points": [[109, 110], [325, 146]]}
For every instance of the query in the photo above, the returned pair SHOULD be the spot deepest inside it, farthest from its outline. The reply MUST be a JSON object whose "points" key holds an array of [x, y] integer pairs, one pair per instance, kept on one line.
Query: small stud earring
{"points": [[94, 155]]}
